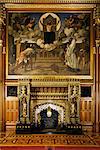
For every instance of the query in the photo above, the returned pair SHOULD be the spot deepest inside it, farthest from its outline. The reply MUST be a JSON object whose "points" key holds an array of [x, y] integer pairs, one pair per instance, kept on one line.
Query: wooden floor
{"points": [[11, 139]]}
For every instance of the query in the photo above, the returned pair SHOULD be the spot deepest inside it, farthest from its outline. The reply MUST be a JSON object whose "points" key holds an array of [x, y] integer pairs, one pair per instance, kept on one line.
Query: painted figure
{"points": [[70, 56], [49, 35], [59, 40]]}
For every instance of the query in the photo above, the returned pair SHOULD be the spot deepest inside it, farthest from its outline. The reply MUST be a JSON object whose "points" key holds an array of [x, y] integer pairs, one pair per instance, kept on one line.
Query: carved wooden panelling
{"points": [[11, 111], [86, 110]]}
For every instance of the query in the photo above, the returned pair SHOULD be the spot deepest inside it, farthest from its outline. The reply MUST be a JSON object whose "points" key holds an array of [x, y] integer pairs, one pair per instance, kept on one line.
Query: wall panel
{"points": [[86, 112], [11, 111]]}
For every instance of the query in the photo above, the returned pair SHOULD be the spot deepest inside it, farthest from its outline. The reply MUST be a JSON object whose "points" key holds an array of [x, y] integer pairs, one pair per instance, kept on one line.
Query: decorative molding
{"points": [[53, 82], [50, 6], [50, 1], [50, 84]]}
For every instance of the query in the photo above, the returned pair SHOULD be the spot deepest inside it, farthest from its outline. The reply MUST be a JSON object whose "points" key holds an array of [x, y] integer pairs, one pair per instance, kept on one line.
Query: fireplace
{"points": [[48, 120], [47, 112], [47, 105]]}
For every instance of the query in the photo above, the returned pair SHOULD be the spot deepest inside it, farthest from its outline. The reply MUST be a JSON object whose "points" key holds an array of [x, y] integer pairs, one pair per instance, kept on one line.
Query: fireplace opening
{"points": [[49, 119]]}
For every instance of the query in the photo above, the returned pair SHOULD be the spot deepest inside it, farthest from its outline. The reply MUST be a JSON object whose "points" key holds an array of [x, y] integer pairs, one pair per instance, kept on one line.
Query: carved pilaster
{"points": [[97, 24], [24, 100]]}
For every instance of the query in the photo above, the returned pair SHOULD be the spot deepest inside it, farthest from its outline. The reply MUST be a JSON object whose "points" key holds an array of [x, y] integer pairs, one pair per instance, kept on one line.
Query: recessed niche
{"points": [[12, 91], [86, 91]]}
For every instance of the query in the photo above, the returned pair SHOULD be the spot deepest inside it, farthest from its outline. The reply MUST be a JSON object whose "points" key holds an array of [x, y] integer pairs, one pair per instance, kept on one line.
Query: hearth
{"points": [[49, 122]]}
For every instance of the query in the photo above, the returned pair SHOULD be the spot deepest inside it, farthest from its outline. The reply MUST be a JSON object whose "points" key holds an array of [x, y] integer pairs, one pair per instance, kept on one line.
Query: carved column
{"points": [[24, 101], [97, 67], [2, 24]]}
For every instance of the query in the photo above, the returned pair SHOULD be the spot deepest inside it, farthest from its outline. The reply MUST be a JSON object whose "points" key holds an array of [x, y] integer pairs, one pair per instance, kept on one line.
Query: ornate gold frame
{"points": [[53, 7]]}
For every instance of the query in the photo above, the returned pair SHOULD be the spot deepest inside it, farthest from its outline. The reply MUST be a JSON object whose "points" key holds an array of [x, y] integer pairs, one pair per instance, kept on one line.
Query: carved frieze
{"points": [[49, 1]]}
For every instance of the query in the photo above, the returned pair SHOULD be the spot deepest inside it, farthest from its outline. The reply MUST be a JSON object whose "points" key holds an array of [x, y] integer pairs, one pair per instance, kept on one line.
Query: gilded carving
{"points": [[50, 1], [97, 25], [49, 6], [63, 99], [24, 97]]}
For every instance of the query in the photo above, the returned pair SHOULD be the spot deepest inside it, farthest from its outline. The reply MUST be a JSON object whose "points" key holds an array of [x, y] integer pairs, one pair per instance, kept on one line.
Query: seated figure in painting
{"points": [[49, 29], [49, 35]]}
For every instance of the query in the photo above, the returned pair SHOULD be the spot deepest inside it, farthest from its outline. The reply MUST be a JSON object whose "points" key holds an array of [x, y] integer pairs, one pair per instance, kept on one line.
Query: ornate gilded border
{"points": [[50, 1], [54, 6]]}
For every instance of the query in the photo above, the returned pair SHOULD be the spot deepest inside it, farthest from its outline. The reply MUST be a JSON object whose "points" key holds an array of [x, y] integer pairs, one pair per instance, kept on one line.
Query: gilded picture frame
{"points": [[49, 42]]}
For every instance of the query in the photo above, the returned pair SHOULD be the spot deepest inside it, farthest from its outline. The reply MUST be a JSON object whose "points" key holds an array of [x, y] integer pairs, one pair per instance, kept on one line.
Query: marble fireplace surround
{"points": [[60, 109]]}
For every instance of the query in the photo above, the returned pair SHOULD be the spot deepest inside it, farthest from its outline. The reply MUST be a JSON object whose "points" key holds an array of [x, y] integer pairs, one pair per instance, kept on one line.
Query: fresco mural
{"points": [[48, 43]]}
